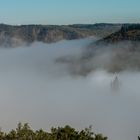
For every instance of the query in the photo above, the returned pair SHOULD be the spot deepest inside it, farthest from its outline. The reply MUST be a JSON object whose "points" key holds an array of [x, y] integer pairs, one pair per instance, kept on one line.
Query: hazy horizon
{"points": [[50, 77], [71, 24]]}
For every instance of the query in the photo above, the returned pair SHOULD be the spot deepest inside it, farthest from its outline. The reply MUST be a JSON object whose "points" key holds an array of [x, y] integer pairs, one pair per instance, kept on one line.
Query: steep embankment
{"points": [[116, 52]]}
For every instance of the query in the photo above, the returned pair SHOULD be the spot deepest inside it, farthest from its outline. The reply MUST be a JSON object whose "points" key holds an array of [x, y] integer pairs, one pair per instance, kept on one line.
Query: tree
{"points": [[24, 132]]}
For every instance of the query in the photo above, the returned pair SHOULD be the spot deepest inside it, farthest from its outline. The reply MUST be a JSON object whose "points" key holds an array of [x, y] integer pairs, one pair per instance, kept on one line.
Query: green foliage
{"points": [[24, 132]]}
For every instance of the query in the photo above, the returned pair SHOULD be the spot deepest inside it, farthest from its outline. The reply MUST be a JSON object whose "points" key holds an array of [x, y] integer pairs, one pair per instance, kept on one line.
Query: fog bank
{"points": [[35, 88]]}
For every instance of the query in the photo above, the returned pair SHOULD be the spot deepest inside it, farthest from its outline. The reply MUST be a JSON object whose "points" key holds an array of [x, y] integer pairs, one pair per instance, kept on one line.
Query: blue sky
{"points": [[69, 11]]}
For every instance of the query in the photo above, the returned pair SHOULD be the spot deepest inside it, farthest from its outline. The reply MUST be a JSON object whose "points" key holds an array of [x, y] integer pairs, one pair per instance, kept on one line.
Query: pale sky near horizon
{"points": [[69, 11]]}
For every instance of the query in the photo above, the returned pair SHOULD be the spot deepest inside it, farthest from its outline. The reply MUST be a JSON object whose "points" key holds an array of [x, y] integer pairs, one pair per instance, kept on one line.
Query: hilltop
{"points": [[128, 32]]}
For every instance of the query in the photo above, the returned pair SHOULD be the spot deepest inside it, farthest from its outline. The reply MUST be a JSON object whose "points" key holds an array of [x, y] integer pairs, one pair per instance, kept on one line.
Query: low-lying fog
{"points": [[34, 88]]}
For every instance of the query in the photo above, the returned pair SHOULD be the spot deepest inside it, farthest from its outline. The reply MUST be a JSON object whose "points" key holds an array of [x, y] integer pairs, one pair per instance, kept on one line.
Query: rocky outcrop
{"points": [[17, 35]]}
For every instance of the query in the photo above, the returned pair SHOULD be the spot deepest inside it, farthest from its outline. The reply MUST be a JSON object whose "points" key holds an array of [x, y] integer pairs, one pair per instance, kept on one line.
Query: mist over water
{"points": [[34, 88]]}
